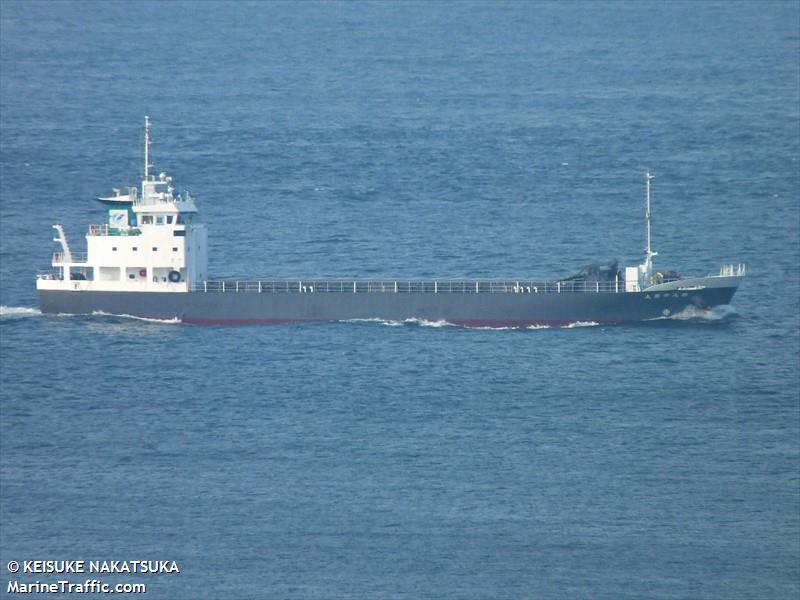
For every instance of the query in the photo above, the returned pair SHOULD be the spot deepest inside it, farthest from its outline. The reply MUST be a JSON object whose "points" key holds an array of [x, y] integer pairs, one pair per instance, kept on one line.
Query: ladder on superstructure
{"points": [[62, 239]]}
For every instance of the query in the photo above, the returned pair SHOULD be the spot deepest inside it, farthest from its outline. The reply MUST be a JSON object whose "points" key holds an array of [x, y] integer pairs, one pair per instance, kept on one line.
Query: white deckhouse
{"points": [[149, 244]]}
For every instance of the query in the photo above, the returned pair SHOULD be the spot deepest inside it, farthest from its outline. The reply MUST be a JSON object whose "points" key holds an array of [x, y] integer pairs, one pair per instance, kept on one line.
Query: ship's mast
{"points": [[147, 142], [648, 178], [647, 267]]}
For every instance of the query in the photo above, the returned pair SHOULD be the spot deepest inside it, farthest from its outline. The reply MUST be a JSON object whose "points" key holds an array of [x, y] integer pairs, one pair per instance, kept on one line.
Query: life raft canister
{"points": [[174, 276]]}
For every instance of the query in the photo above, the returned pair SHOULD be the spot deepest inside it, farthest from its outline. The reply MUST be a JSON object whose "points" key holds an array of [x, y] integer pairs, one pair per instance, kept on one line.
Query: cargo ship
{"points": [[150, 260]]}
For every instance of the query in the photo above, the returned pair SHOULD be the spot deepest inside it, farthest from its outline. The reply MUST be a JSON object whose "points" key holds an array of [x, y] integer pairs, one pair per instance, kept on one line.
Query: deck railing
{"points": [[76, 257], [104, 229], [341, 286], [730, 271], [50, 275]]}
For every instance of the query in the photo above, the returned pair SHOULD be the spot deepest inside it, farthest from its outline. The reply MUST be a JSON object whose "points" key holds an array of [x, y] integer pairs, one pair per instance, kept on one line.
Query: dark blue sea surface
{"points": [[434, 139]]}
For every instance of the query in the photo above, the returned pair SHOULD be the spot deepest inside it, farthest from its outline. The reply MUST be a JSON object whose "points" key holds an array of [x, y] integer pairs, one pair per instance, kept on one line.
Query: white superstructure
{"points": [[150, 243]]}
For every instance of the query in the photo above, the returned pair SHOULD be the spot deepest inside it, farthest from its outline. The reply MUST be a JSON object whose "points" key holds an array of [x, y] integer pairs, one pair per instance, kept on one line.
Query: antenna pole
{"points": [[648, 178], [646, 268], [146, 147]]}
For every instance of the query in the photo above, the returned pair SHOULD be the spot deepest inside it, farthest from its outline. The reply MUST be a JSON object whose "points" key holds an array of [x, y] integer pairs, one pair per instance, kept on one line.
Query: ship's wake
{"points": [[11, 313], [18, 312], [689, 315], [693, 314], [443, 323], [172, 321], [393, 323]]}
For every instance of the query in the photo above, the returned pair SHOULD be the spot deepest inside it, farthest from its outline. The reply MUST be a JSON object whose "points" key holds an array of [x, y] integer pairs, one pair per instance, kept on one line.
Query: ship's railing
{"points": [[730, 271], [104, 229], [341, 286], [50, 275], [75, 257], [156, 198]]}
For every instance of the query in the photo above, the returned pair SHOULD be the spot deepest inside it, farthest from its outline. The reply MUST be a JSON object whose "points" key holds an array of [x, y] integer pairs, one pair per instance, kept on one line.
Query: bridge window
{"points": [[147, 219], [169, 219], [159, 220]]}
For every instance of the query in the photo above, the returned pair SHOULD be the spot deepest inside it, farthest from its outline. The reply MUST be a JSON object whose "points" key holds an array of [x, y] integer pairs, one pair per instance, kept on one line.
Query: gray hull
{"points": [[468, 309]]}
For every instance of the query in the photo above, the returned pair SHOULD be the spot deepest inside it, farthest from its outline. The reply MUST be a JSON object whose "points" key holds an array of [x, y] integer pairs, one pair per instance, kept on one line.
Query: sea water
{"points": [[410, 140]]}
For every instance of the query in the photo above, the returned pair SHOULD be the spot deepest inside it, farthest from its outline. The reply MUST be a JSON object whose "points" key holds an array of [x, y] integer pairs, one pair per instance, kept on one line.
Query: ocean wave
{"points": [[581, 324], [18, 312]]}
